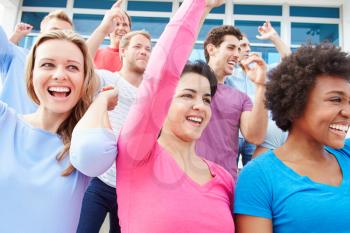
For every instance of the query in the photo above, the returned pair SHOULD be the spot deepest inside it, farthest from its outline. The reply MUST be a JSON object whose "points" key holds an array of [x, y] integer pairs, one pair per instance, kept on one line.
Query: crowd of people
{"points": [[153, 140]]}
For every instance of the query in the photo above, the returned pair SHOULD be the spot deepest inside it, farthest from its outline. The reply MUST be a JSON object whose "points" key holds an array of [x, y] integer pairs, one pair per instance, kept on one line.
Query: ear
{"points": [[211, 49]]}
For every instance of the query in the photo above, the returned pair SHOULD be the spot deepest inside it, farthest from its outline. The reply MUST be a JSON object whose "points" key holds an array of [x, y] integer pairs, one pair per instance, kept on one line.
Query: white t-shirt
{"points": [[126, 97]]}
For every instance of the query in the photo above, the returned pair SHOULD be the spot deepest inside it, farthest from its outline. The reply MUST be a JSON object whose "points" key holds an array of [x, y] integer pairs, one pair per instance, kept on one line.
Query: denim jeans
{"points": [[99, 199], [246, 149]]}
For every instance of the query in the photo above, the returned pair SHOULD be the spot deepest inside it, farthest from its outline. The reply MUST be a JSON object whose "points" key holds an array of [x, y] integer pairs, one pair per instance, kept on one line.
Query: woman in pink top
{"points": [[163, 186]]}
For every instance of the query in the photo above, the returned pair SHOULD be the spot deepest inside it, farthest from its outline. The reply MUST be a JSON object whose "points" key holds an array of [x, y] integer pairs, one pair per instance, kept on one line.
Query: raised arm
{"points": [[93, 147], [6, 53], [21, 30], [253, 123], [107, 26], [166, 63], [267, 32]]}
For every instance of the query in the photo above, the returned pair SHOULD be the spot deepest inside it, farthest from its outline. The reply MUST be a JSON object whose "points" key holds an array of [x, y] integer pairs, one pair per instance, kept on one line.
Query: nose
{"points": [[59, 74], [236, 53], [143, 51], [346, 111], [199, 105], [248, 49]]}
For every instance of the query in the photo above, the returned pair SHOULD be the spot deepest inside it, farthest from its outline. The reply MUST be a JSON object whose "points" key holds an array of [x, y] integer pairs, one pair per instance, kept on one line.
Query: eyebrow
{"points": [[50, 59], [194, 91], [336, 92]]}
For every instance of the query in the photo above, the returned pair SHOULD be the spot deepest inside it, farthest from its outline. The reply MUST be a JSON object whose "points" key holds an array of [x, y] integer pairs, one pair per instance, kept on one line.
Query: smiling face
{"points": [[58, 75], [224, 57], [137, 53], [122, 27], [326, 117], [189, 111]]}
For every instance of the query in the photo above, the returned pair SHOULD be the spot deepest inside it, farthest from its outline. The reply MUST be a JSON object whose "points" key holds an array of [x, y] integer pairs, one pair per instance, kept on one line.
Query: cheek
{"points": [[38, 83], [177, 111], [79, 87]]}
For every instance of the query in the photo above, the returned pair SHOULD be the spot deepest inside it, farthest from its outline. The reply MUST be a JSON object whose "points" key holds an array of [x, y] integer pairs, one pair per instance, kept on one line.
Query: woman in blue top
{"points": [[304, 185], [40, 191]]}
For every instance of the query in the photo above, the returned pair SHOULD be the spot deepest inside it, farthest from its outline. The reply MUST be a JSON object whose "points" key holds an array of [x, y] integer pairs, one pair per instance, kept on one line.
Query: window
{"points": [[93, 4], [197, 53], [250, 28], [45, 3], [155, 26], [323, 12], [33, 18], [207, 26], [314, 33], [27, 42], [257, 10], [86, 24], [218, 10], [150, 6], [269, 54]]}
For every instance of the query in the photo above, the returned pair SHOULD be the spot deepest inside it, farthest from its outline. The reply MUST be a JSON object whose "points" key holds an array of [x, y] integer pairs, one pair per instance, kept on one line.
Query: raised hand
{"points": [[109, 94], [21, 30], [267, 32], [255, 68], [112, 16]]}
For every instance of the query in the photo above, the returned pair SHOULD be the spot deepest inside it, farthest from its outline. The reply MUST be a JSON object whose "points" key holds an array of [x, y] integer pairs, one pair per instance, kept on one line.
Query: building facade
{"points": [[297, 21]]}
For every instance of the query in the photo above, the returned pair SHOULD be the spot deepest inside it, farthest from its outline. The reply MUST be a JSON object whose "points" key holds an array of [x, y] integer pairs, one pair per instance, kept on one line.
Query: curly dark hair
{"points": [[216, 36], [292, 80]]}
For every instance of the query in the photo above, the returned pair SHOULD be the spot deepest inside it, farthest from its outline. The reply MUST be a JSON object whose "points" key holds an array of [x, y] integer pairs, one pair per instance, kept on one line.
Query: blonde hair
{"points": [[57, 14], [127, 37], [87, 92]]}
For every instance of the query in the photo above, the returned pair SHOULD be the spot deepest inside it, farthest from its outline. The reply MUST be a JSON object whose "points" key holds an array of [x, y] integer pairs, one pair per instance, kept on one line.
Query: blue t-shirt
{"points": [[268, 188], [13, 89], [34, 197]]}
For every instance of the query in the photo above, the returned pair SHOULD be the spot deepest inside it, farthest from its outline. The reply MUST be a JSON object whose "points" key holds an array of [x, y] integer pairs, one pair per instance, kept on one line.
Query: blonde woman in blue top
{"points": [[304, 185], [40, 191]]}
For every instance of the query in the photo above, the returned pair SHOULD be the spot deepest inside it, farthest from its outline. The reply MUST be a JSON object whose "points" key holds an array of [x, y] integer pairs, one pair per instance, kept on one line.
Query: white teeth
{"points": [[59, 89], [195, 119], [339, 127]]}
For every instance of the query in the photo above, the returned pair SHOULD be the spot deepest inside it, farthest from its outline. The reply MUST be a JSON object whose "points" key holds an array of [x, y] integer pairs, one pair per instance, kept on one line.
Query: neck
{"points": [[219, 73], [179, 149], [300, 146], [114, 44], [130, 75], [46, 120]]}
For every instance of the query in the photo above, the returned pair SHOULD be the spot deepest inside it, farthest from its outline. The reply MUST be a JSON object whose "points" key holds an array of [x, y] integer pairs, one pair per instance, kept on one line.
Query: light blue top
{"points": [[12, 67], [240, 81], [268, 188], [275, 137], [34, 197]]}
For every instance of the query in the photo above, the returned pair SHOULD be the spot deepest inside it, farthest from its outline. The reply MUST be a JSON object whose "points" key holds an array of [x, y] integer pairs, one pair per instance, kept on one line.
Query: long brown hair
{"points": [[87, 92]]}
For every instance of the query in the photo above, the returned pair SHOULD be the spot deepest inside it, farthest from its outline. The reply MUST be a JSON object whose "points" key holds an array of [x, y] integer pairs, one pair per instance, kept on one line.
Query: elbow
{"points": [[255, 138], [90, 156], [90, 163], [79, 161]]}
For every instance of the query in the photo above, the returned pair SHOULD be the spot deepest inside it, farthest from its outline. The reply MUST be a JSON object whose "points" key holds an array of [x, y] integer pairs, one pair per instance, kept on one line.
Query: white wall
{"points": [[8, 14], [346, 25]]}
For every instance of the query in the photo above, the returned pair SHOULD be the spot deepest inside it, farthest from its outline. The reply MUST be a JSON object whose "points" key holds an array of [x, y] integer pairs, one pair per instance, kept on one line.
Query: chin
{"points": [[188, 137], [336, 144]]}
